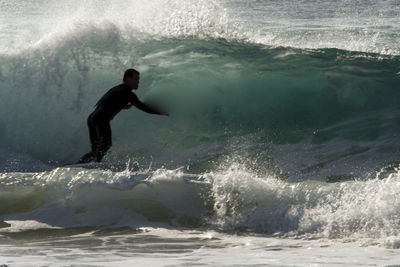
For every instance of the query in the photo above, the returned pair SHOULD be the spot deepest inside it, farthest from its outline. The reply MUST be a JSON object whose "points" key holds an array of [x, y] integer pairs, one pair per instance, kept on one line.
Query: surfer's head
{"points": [[131, 78]]}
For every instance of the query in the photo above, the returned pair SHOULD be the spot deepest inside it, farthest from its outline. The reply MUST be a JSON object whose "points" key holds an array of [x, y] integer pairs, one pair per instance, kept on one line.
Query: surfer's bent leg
{"points": [[91, 156], [104, 133], [100, 137]]}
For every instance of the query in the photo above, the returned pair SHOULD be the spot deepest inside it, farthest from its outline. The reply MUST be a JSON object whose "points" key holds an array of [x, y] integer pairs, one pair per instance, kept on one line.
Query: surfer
{"points": [[117, 98]]}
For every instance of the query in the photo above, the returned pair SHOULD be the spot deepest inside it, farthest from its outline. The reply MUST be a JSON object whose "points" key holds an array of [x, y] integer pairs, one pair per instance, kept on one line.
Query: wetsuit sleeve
{"points": [[140, 105]]}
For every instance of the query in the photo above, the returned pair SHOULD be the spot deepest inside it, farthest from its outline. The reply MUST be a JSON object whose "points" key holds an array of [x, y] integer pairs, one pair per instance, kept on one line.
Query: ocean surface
{"points": [[282, 147]]}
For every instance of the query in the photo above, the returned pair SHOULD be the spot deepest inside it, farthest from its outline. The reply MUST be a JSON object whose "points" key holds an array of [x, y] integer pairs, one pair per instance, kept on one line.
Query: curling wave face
{"points": [[338, 103], [260, 121]]}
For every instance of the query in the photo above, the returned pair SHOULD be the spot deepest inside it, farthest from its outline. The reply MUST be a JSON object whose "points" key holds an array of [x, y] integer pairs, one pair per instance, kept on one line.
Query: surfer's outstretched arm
{"points": [[142, 106]]}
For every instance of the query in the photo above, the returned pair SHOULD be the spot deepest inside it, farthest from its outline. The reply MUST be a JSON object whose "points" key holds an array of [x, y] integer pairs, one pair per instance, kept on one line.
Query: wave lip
{"points": [[352, 27]]}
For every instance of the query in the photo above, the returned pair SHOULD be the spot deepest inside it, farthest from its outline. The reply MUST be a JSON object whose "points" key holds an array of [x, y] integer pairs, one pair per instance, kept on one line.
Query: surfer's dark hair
{"points": [[129, 73]]}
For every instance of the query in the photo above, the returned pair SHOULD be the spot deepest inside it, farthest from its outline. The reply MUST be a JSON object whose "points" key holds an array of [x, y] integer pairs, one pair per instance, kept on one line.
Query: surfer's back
{"points": [[115, 99]]}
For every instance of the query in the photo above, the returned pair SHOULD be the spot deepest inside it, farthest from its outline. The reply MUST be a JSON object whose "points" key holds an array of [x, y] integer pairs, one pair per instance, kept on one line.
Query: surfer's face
{"points": [[133, 81]]}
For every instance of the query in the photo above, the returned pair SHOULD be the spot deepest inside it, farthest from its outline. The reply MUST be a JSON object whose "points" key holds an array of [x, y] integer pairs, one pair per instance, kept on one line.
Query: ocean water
{"points": [[282, 146]]}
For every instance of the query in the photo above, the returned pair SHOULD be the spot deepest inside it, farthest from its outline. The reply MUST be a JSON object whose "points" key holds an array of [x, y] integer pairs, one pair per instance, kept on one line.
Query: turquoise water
{"points": [[284, 125]]}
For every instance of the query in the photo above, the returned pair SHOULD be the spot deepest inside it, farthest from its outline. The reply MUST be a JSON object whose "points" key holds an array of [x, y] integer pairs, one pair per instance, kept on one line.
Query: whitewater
{"points": [[281, 149]]}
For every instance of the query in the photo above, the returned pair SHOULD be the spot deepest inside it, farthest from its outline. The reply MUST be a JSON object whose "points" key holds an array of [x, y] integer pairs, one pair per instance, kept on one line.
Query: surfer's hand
{"points": [[164, 113], [128, 106]]}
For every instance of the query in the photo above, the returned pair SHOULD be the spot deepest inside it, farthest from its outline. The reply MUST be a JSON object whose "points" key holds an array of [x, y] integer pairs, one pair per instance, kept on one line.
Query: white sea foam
{"points": [[231, 199], [344, 25], [345, 210]]}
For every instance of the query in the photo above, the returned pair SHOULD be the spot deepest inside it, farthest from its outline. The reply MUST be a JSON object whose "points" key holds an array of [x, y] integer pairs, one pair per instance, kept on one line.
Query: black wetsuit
{"points": [[117, 98]]}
